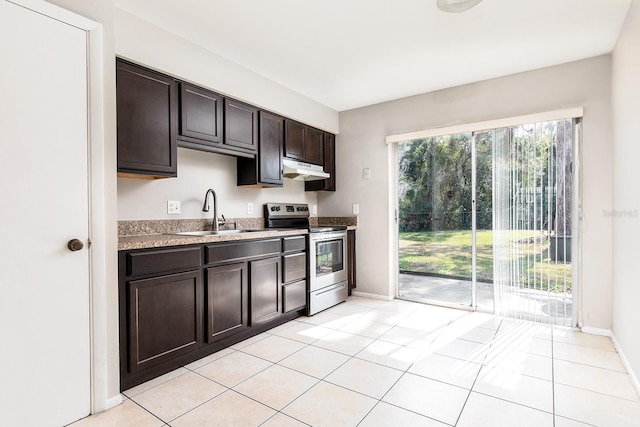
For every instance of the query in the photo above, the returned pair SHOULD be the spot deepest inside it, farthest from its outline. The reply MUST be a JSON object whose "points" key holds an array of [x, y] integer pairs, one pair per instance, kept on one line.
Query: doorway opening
{"points": [[485, 220]]}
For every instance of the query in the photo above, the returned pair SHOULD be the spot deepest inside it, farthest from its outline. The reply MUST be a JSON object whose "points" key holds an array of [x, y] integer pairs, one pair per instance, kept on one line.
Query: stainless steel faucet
{"points": [[205, 208]]}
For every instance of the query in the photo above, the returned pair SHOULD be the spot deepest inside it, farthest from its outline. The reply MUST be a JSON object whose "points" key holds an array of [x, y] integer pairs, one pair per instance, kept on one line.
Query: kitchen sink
{"points": [[220, 232]]}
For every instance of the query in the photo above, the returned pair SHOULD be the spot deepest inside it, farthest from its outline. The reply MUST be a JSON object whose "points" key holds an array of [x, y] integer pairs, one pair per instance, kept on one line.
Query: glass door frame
{"points": [[395, 249], [577, 113]]}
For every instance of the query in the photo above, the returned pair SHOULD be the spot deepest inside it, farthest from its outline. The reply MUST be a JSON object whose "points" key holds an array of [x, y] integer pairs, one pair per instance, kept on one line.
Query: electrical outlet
{"points": [[356, 208], [314, 209], [249, 208], [173, 207], [366, 174]]}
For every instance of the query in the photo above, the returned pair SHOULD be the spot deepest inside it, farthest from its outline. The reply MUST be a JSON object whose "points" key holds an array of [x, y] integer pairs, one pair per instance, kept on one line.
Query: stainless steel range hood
{"points": [[301, 171]]}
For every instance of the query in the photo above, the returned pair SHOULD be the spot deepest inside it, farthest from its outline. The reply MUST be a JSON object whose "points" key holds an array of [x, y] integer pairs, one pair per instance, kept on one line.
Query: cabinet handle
{"points": [[75, 245]]}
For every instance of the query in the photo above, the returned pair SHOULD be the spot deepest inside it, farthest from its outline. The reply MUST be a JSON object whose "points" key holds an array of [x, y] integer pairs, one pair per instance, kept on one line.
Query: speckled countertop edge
{"points": [[161, 240], [145, 234]]}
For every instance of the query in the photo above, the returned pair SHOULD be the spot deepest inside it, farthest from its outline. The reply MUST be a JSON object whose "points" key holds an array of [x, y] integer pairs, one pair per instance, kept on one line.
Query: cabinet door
{"points": [[164, 318], [266, 169], [314, 146], [146, 103], [270, 149], [351, 259], [330, 161], [328, 184], [200, 115], [265, 290], [294, 140], [227, 300], [241, 125]]}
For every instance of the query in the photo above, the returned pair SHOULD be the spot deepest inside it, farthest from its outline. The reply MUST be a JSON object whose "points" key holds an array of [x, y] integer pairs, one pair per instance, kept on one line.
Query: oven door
{"points": [[327, 259]]}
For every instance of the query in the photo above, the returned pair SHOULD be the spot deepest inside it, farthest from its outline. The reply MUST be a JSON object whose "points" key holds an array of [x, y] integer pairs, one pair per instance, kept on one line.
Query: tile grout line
{"points": [[495, 333], [553, 379], [145, 409], [350, 357]]}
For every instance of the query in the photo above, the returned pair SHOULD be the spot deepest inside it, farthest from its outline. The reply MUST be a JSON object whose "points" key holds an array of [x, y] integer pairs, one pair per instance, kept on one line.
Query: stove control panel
{"points": [[286, 210]]}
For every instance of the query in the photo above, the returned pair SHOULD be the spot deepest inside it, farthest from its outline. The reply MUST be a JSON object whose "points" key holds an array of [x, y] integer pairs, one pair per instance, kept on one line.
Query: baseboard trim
{"points": [[616, 345], [372, 296], [625, 362], [596, 331], [114, 401]]}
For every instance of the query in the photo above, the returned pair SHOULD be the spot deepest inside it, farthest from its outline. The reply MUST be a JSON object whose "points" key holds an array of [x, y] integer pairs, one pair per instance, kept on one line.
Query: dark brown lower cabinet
{"points": [[164, 318], [227, 296], [351, 259], [294, 296], [265, 290], [179, 304], [294, 267]]}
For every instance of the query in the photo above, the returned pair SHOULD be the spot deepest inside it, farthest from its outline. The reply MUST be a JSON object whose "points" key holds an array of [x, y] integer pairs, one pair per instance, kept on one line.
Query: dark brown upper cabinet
{"points": [[266, 169], [240, 126], [302, 142], [329, 184], [200, 116], [147, 119], [210, 122], [313, 146], [294, 140]]}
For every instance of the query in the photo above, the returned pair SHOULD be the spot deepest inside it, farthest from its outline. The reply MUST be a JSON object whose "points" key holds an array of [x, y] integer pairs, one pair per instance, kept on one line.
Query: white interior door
{"points": [[44, 308]]}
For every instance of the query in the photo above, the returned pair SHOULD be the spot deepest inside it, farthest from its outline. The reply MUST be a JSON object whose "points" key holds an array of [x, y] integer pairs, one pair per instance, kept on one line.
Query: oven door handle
{"points": [[319, 237], [331, 288]]}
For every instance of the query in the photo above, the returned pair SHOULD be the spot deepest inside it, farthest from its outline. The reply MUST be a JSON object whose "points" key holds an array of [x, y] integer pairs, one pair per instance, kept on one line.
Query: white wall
{"points": [[147, 44], [361, 144], [197, 172], [626, 195]]}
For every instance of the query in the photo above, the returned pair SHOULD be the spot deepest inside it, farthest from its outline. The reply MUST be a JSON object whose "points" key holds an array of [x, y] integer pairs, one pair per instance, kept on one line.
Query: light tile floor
{"points": [[393, 363]]}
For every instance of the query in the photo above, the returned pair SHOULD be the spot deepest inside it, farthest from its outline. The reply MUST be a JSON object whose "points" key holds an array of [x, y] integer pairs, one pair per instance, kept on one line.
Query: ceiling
{"points": [[352, 53]]}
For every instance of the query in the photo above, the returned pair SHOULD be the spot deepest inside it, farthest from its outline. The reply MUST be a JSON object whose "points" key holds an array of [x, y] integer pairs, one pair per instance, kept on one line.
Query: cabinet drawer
{"points": [[294, 296], [241, 250], [294, 267], [297, 243], [148, 262]]}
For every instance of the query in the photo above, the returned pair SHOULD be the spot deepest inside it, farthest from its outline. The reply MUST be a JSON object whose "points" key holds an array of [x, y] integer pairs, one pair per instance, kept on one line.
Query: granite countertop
{"points": [[144, 234], [159, 240]]}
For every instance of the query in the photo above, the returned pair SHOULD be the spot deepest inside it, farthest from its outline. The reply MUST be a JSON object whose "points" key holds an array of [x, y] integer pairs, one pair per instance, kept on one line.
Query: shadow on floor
{"points": [[440, 289], [521, 303]]}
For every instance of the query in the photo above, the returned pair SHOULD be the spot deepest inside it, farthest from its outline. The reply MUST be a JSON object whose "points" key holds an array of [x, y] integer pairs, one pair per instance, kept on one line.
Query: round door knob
{"points": [[75, 245]]}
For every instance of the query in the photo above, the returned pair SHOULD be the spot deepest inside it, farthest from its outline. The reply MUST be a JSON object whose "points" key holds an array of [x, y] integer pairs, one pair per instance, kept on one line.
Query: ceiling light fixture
{"points": [[456, 6]]}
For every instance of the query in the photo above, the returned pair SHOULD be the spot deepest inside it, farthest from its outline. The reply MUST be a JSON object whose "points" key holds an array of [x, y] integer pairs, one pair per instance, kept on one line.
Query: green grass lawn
{"points": [[449, 253]]}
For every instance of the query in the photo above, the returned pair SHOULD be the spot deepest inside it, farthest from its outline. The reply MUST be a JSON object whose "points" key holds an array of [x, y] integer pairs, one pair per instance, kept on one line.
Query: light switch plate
{"points": [[314, 209], [366, 174], [356, 208], [173, 207]]}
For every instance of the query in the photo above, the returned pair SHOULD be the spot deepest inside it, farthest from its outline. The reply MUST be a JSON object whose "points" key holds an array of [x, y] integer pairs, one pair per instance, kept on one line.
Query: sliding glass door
{"points": [[444, 229], [485, 220], [533, 221]]}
